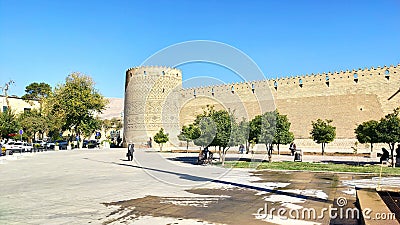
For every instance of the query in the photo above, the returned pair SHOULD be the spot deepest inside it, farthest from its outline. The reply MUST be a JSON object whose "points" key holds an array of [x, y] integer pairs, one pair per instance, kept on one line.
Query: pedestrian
{"points": [[131, 150], [398, 155], [385, 155], [241, 149], [292, 148], [206, 153], [150, 144]]}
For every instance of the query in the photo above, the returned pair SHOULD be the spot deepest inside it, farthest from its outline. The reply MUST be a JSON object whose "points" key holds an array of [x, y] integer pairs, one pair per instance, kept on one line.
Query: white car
{"points": [[9, 148], [17, 146], [27, 147]]}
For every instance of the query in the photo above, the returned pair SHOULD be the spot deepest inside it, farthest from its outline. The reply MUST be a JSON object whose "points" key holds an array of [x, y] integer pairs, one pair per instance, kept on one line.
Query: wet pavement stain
{"points": [[239, 205]]}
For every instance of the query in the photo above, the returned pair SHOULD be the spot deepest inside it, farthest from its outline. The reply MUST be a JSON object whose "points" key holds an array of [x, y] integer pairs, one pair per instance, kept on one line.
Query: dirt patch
{"points": [[227, 206]]}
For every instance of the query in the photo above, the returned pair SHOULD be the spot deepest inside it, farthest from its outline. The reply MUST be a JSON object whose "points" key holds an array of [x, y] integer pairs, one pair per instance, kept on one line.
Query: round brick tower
{"points": [[151, 102]]}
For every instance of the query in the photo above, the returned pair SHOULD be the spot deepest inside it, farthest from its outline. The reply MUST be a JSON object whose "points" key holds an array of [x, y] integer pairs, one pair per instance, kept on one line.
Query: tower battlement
{"points": [[149, 72], [300, 80]]}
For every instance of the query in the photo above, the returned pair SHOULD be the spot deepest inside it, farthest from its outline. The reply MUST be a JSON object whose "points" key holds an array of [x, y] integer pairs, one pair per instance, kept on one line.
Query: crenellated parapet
{"points": [[348, 77], [149, 72], [303, 81]]}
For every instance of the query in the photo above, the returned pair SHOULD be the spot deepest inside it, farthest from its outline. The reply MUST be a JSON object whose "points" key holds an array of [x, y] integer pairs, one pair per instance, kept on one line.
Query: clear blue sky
{"points": [[44, 41]]}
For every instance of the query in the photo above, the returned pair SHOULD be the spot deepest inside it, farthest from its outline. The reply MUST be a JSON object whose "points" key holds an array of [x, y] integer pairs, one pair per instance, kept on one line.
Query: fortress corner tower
{"points": [[151, 102]]}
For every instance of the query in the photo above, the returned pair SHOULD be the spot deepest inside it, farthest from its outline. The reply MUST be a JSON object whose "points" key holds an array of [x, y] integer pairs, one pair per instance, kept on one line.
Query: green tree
{"points": [[38, 92], [54, 122], [389, 130], [76, 101], [217, 129], [90, 126], [189, 133], [227, 129], [367, 132], [116, 123], [322, 132], [268, 130], [8, 123], [282, 134], [161, 138], [207, 128], [255, 128], [106, 125], [32, 122], [241, 134]]}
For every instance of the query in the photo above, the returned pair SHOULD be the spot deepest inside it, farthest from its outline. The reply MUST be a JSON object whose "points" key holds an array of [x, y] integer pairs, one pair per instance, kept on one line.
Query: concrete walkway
{"points": [[101, 187]]}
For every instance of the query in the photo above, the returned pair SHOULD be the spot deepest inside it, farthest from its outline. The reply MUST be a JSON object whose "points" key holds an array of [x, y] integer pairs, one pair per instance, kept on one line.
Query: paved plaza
{"points": [[101, 187]]}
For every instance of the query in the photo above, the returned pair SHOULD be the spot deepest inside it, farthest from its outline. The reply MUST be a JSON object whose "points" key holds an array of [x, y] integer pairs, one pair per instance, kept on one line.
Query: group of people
{"points": [[205, 156], [386, 156]]}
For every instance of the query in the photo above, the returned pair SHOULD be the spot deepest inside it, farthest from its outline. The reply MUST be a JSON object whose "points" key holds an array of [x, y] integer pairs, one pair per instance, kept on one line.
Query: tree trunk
{"points": [[277, 146], [219, 153], [187, 146], [223, 158], [161, 144], [247, 147], [372, 146], [323, 148]]}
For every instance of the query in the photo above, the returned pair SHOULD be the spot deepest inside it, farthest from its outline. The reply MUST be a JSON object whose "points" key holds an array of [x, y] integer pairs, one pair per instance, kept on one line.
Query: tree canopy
{"points": [[37, 91], [189, 133], [282, 134], [367, 132], [389, 129], [217, 128], [161, 138], [76, 102], [8, 123], [322, 132], [32, 122]]}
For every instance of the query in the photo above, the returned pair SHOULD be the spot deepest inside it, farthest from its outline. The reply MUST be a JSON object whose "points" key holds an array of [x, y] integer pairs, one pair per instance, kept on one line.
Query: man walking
{"points": [[131, 150]]}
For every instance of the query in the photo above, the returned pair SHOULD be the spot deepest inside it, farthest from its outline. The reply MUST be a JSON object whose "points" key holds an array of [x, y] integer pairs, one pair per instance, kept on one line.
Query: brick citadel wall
{"points": [[347, 97]]}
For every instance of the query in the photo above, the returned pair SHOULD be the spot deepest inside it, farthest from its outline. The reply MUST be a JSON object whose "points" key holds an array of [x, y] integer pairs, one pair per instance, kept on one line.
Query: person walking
{"points": [[384, 156], [397, 163], [292, 148], [131, 150]]}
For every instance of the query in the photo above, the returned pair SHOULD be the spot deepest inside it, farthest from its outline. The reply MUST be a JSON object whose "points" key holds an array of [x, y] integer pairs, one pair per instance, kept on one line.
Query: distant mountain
{"points": [[114, 109]]}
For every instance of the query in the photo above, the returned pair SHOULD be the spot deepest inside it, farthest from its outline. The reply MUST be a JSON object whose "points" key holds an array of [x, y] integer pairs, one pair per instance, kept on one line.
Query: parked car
{"points": [[90, 144], [93, 144], [27, 147], [62, 145], [17, 146], [50, 145]]}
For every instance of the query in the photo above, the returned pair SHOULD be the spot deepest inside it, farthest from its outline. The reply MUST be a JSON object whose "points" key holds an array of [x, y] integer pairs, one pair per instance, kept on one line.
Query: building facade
{"points": [[17, 104]]}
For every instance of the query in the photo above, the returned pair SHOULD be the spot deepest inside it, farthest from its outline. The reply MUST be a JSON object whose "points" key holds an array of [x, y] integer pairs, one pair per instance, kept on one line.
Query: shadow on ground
{"points": [[350, 163], [193, 160]]}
